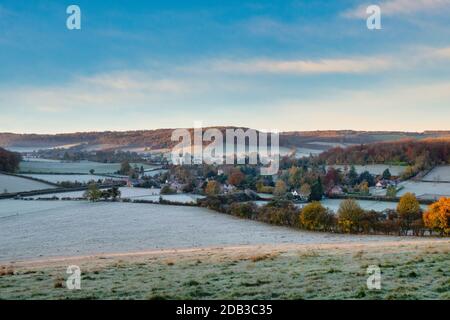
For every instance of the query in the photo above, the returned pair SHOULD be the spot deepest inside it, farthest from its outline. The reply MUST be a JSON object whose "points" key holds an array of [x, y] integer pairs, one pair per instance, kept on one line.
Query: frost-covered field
{"points": [[426, 190], [375, 169], [34, 229], [12, 184], [156, 172], [414, 270], [439, 174], [71, 167], [135, 194], [333, 204], [332, 144], [55, 178]]}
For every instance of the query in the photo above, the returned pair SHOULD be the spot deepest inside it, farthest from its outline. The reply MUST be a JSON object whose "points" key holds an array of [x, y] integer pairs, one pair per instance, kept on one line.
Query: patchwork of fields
{"points": [[82, 167], [12, 184], [438, 174], [134, 194], [57, 178], [425, 190]]}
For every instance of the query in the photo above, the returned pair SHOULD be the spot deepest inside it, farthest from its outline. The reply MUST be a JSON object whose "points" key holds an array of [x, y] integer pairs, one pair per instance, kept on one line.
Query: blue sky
{"points": [[286, 65]]}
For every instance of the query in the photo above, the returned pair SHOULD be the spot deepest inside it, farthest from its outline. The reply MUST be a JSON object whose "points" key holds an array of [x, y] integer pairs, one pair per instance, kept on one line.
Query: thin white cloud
{"points": [[200, 83], [442, 53], [106, 90], [135, 81], [299, 67], [399, 7]]}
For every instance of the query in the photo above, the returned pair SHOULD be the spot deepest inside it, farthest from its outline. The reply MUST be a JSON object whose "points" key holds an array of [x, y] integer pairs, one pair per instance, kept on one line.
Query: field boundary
{"points": [[54, 190]]}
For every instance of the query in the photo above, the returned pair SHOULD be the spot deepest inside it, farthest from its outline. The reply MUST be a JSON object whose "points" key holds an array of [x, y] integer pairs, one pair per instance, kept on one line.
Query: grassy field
{"points": [[413, 270], [81, 167], [10, 184]]}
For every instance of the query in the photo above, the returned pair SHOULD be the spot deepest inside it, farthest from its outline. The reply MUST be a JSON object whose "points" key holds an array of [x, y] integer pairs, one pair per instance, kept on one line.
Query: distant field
{"points": [[333, 204], [135, 194], [71, 167], [375, 169], [410, 270], [426, 190], [438, 174], [13, 184], [55, 178]]}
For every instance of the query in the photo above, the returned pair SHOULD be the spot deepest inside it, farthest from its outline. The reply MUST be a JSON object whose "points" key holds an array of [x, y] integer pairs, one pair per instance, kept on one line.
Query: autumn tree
{"points": [[332, 178], [314, 216], [280, 188], [364, 188], [305, 191], [349, 215], [437, 217], [9, 161], [212, 188], [391, 191], [236, 177], [409, 210], [295, 176]]}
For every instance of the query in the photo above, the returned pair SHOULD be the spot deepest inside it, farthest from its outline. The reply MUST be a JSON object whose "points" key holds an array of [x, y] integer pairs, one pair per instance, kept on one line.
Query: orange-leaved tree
{"points": [[437, 217]]}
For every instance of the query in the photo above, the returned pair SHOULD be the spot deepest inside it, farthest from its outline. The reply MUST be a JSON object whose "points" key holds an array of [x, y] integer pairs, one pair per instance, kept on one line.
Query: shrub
{"points": [[212, 188], [243, 210], [93, 193], [167, 190], [279, 213], [371, 221]]}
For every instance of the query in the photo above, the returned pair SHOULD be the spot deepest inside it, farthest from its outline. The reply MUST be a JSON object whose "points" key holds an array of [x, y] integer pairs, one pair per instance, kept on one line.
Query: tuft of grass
{"points": [[262, 257], [412, 274], [192, 283], [58, 283], [6, 271]]}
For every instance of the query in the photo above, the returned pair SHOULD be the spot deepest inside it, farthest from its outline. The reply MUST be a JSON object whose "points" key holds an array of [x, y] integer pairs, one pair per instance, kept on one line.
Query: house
{"points": [[176, 186], [228, 188], [336, 190], [383, 184], [295, 193], [133, 182], [380, 185]]}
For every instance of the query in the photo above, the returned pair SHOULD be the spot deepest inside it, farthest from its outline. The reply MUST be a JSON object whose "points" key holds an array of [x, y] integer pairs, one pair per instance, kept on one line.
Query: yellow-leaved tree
{"points": [[409, 210]]}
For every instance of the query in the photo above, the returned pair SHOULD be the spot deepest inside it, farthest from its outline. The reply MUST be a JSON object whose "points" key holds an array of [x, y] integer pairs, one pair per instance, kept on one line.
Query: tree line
{"points": [[407, 219], [9, 161], [408, 152]]}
